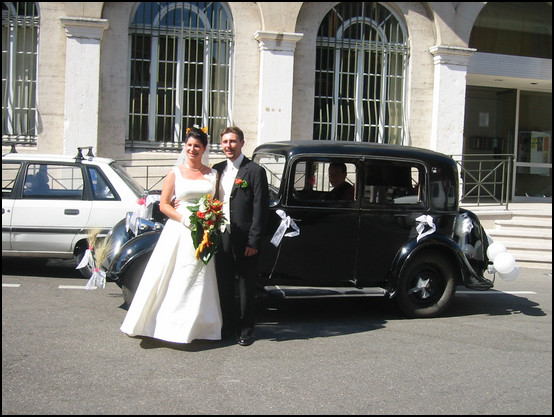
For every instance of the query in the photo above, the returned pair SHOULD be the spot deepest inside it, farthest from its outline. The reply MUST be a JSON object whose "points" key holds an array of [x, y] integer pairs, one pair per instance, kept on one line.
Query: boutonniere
{"points": [[241, 183]]}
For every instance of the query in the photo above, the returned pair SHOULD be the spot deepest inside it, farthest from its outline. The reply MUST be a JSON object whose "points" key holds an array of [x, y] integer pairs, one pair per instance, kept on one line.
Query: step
{"points": [[525, 222], [513, 232], [536, 256], [532, 213], [534, 265], [527, 244]]}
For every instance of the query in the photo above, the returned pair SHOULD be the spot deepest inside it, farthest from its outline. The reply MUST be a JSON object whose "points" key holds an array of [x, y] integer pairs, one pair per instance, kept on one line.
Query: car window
{"points": [[9, 174], [393, 183], [52, 181], [101, 188], [274, 166], [323, 182], [130, 181]]}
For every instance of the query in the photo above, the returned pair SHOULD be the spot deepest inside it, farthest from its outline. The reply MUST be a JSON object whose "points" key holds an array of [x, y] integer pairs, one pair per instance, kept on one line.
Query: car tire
{"points": [[87, 270], [426, 286], [131, 278]]}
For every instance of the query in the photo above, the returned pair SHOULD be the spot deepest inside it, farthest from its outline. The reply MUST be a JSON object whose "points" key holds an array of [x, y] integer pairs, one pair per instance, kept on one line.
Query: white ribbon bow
{"points": [[467, 225], [97, 280], [286, 222], [424, 221]]}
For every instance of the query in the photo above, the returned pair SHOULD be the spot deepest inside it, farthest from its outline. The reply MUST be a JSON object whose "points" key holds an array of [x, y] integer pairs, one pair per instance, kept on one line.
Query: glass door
{"points": [[533, 150]]}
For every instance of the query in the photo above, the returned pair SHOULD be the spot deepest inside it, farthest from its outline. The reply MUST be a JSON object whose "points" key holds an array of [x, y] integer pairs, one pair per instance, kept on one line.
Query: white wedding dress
{"points": [[177, 298]]}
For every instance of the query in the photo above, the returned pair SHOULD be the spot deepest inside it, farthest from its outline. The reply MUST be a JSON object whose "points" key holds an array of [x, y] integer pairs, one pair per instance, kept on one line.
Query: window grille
{"points": [[361, 63], [180, 62], [20, 25]]}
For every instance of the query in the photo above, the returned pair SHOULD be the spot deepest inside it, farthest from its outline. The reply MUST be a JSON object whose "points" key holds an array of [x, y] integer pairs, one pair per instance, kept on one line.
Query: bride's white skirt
{"points": [[177, 299]]}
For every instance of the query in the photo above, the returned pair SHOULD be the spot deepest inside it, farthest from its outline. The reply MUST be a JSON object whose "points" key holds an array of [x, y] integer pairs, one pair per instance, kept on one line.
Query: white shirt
{"points": [[226, 184]]}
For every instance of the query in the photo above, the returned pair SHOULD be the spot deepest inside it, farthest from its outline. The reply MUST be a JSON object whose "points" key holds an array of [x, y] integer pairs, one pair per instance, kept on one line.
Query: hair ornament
{"points": [[203, 129]]}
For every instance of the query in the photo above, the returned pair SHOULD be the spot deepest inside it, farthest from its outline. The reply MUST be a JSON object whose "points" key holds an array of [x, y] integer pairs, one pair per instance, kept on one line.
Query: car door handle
{"points": [[71, 212]]}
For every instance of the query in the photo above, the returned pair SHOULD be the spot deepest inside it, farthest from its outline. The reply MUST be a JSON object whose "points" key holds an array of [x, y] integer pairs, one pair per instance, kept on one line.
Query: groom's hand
{"points": [[250, 252], [175, 203]]}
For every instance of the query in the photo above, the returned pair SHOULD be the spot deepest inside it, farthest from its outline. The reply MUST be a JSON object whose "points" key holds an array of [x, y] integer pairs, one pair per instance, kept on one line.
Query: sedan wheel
{"points": [[87, 270], [426, 287]]}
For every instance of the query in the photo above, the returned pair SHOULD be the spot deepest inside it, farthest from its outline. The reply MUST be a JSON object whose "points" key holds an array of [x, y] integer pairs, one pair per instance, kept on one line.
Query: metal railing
{"points": [[486, 178], [150, 173]]}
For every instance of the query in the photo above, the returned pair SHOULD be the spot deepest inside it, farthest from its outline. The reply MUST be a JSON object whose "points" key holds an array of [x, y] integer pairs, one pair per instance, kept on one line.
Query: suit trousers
{"points": [[235, 271]]}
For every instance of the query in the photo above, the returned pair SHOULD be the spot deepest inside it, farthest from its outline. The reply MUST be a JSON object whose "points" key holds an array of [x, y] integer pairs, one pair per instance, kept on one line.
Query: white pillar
{"points": [[82, 81], [449, 93], [276, 81]]}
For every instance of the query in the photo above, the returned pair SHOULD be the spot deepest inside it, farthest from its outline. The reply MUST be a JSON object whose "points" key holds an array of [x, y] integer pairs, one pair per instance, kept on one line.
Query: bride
{"points": [[177, 298]]}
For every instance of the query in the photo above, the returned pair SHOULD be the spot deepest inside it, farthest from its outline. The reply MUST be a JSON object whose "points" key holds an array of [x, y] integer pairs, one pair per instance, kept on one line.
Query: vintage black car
{"points": [[400, 228]]}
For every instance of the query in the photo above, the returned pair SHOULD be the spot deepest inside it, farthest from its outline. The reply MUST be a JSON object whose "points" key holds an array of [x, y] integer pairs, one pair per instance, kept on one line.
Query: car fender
{"points": [[467, 275], [117, 237], [129, 252]]}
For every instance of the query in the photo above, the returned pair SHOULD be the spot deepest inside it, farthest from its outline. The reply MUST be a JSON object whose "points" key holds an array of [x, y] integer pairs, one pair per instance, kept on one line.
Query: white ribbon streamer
{"points": [[286, 222], [87, 260], [424, 221], [97, 280]]}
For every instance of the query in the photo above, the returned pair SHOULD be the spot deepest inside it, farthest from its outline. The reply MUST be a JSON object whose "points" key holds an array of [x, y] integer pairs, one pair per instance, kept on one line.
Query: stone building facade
{"points": [[450, 89]]}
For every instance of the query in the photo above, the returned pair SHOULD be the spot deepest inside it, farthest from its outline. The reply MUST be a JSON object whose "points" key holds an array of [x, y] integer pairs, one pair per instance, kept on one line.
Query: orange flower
{"points": [[207, 220], [241, 183]]}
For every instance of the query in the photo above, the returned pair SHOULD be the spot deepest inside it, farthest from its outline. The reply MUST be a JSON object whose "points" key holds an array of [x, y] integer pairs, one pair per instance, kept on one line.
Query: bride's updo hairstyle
{"points": [[197, 133], [202, 135]]}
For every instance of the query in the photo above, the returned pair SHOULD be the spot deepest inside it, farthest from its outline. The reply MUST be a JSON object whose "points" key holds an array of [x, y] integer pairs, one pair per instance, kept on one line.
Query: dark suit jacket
{"points": [[249, 206]]}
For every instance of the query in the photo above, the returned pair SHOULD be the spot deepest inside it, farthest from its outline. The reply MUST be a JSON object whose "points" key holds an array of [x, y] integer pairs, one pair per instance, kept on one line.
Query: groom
{"points": [[243, 188]]}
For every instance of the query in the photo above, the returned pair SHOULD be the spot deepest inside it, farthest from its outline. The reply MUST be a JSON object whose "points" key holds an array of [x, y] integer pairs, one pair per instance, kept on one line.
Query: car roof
{"points": [[16, 156], [351, 148]]}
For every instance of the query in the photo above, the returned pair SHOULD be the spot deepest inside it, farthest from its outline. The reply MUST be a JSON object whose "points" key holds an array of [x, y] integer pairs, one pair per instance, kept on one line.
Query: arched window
{"points": [[360, 75], [180, 70], [20, 24], [514, 28]]}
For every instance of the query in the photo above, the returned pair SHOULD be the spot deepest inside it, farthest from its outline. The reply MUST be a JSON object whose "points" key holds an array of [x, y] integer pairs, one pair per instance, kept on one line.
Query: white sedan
{"points": [[50, 203]]}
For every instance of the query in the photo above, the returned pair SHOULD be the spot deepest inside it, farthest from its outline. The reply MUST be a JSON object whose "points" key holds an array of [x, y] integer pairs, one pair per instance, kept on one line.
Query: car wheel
{"points": [[426, 287], [87, 270], [131, 278]]}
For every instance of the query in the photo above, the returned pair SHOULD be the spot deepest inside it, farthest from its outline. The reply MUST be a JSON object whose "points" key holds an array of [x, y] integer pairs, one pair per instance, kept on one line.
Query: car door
{"points": [[9, 176], [325, 249], [107, 205], [391, 201], [48, 219]]}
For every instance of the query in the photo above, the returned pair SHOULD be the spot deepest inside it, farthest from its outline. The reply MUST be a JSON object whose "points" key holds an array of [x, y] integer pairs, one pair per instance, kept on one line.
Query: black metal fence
{"points": [[486, 178]]}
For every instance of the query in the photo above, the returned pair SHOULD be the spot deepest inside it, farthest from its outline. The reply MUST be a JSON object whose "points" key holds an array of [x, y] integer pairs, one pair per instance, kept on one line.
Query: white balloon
{"points": [[511, 276], [504, 263], [494, 249]]}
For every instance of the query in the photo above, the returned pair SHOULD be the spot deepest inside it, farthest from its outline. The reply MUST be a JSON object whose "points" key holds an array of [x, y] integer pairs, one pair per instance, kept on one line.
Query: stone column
{"points": [[449, 93], [276, 81], [82, 82]]}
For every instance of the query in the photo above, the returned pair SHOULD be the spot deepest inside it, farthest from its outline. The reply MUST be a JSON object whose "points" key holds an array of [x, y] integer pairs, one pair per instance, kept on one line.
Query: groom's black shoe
{"points": [[245, 340]]}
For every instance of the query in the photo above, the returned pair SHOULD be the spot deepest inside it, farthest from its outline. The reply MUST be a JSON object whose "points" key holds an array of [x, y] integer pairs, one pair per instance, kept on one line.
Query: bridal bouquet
{"points": [[206, 224]]}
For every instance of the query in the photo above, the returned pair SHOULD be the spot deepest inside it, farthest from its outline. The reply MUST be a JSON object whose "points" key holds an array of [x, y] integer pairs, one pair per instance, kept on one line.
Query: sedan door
{"points": [[9, 176], [48, 218]]}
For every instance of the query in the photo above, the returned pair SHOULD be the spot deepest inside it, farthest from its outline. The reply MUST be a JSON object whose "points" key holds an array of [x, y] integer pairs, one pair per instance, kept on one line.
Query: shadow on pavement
{"points": [[58, 268]]}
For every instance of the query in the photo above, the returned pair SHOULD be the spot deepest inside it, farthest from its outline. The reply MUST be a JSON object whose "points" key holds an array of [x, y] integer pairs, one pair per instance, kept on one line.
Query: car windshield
{"points": [[130, 181]]}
